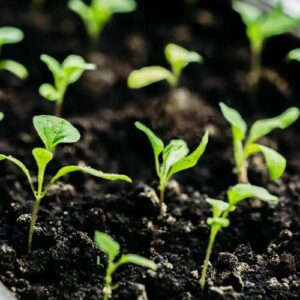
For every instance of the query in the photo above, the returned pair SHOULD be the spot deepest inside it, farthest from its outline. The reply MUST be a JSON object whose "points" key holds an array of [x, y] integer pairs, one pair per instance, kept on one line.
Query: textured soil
{"points": [[257, 257]]}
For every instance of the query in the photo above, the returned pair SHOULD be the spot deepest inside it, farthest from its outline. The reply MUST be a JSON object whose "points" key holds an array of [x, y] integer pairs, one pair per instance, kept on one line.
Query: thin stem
{"points": [[161, 199], [58, 109], [212, 237], [255, 71], [107, 281], [242, 173], [33, 221]]}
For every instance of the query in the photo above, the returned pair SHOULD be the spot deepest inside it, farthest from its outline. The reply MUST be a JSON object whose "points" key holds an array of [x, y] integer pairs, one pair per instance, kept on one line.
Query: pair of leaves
{"points": [[112, 248], [175, 156], [64, 74], [177, 57], [276, 163]]}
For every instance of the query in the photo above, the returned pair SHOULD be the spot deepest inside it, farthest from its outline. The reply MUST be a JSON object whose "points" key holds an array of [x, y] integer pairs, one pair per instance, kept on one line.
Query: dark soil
{"points": [[257, 257]]}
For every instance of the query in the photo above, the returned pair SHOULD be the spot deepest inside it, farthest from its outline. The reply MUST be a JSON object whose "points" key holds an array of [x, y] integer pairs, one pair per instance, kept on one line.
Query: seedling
{"points": [[96, 15], [246, 145], [64, 74], [171, 159], [112, 249], [221, 211], [12, 35], [53, 131], [177, 57], [260, 27]]}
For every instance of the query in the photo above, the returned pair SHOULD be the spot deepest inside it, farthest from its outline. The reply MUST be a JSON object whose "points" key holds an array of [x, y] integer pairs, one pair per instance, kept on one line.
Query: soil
{"points": [[257, 257]]}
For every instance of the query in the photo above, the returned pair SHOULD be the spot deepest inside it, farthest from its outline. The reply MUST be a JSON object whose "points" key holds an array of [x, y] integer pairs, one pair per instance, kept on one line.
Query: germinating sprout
{"points": [[53, 131], [112, 249], [221, 211], [12, 35], [177, 57], [171, 159], [64, 74], [260, 27], [98, 13], [245, 144]]}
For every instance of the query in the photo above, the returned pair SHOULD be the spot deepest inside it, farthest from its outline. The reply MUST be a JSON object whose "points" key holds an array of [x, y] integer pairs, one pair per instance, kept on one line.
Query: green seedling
{"points": [[221, 211], [64, 74], [52, 131], [96, 15], [245, 145], [171, 159], [260, 27], [177, 57], [112, 249], [12, 35]]}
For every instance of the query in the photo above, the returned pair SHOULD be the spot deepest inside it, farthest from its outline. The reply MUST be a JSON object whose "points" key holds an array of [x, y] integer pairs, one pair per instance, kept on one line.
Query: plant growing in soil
{"points": [[52, 131], [12, 35], [246, 145], [171, 159], [260, 27], [221, 211], [96, 15], [177, 57], [64, 74], [112, 249]]}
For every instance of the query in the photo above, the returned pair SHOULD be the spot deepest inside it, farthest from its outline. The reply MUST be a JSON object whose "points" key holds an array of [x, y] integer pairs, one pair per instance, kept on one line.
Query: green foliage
{"points": [[96, 15], [221, 211], [294, 55], [112, 249], [246, 145], [64, 74], [172, 158], [12, 35], [177, 57], [53, 131]]}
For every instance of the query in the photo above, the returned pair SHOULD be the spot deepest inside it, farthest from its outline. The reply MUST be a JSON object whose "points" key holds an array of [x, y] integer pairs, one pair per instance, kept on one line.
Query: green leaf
{"points": [[14, 67], [220, 222], [218, 206], [156, 143], [49, 92], [10, 35], [119, 6], [276, 163], [241, 192], [107, 244], [137, 260], [294, 54], [53, 131], [52, 64], [145, 76], [190, 160], [249, 13], [238, 124], [69, 169], [21, 166], [179, 58], [42, 157], [262, 127]]}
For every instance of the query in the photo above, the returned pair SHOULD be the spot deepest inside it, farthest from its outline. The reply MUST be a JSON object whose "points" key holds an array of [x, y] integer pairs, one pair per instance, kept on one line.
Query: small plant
{"points": [[96, 15], [221, 211], [64, 74], [172, 158], [245, 146], [112, 249], [12, 35], [53, 131], [260, 27], [177, 57]]}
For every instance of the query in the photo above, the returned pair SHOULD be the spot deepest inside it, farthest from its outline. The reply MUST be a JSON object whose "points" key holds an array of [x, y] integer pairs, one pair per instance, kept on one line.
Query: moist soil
{"points": [[257, 257]]}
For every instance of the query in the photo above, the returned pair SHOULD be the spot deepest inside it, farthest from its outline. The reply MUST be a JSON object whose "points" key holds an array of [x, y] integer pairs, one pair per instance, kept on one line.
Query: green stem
{"points": [[33, 221], [161, 199], [212, 237], [242, 173], [255, 71], [58, 109]]}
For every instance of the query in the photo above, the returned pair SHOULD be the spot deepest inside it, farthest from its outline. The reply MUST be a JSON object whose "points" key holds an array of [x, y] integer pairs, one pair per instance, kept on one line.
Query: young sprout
{"points": [[96, 15], [64, 74], [177, 57], [260, 27], [12, 35], [221, 211], [52, 131], [172, 158], [244, 145], [112, 249]]}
